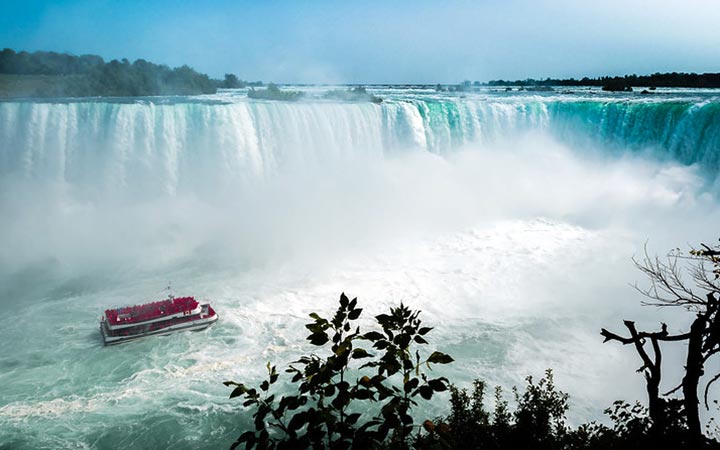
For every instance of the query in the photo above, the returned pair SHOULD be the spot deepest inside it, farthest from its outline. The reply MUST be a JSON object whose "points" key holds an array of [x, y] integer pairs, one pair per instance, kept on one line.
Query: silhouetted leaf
{"points": [[440, 358], [437, 385], [238, 391], [363, 394], [298, 421], [341, 400], [359, 353], [420, 340], [410, 385], [402, 340], [373, 336], [383, 319], [425, 392], [318, 338]]}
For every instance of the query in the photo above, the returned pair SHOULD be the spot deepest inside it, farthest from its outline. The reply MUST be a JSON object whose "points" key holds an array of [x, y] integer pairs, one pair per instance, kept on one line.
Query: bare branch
{"points": [[707, 389], [610, 336], [667, 286], [673, 390], [708, 251], [660, 336]]}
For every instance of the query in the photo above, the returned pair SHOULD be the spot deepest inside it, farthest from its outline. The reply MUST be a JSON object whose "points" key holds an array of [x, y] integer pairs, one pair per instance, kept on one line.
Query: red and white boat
{"points": [[163, 317]]}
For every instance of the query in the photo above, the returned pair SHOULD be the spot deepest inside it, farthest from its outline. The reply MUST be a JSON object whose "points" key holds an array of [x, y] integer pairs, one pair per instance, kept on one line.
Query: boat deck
{"points": [[137, 314]]}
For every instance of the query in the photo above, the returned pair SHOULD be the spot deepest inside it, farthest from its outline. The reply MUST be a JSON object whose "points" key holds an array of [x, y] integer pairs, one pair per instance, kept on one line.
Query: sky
{"points": [[372, 41]]}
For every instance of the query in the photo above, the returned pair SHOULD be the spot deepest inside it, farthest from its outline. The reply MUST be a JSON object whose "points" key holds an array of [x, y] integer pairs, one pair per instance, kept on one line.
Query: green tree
{"points": [[231, 81]]}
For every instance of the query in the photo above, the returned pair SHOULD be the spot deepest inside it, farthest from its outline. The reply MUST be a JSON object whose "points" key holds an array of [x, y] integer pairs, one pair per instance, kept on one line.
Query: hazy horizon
{"points": [[418, 43]]}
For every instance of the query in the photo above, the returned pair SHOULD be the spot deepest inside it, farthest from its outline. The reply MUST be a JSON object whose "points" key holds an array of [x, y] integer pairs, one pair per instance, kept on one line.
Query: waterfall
{"points": [[167, 148]]}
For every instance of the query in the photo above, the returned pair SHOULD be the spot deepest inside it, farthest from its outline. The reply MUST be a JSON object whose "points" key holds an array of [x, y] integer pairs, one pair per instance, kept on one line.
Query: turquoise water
{"points": [[508, 218], [168, 140]]}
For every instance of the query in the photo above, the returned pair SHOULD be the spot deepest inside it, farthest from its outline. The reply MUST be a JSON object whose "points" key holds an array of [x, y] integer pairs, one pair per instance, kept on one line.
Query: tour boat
{"points": [[163, 317]]}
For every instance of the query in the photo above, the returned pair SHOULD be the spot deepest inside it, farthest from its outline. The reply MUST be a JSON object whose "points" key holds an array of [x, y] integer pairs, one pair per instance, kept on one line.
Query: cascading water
{"points": [[509, 219], [164, 147]]}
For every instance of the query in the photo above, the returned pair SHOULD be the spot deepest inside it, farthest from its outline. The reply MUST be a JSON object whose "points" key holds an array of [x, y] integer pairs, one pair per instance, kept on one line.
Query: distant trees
{"points": [[669, 288], [142, 78], [90, 75], [272, 92], [617, 85], [46, 63], [674, 79], [231, 81]]}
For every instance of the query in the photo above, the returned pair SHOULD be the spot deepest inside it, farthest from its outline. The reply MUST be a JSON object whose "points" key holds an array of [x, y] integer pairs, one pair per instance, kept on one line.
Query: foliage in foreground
{"points": [[539, 423], [347, 397]]}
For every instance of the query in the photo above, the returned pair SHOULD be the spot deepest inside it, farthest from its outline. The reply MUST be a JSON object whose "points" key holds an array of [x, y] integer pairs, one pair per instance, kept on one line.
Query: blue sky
{"points": [[380, 41]]}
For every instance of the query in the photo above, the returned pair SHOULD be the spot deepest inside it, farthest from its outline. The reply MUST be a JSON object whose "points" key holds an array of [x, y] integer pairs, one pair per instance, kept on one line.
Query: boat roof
{"points": [[149, 311]]}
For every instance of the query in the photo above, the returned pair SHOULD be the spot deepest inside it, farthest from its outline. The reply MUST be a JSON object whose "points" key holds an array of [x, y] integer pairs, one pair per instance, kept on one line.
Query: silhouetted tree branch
{"points": [[651, 367], [669, 287]]}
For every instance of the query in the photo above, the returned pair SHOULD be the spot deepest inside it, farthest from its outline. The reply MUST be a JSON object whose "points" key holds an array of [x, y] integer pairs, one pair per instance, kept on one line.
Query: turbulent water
{"points": [[510, 219]]}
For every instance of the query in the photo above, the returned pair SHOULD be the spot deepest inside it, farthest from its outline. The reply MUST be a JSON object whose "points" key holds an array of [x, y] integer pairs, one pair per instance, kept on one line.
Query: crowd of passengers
{"points": [[150, 310]]}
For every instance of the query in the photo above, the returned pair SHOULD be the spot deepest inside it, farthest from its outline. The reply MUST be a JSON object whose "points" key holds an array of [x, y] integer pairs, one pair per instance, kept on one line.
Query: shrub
{"points": [[334, 392]]}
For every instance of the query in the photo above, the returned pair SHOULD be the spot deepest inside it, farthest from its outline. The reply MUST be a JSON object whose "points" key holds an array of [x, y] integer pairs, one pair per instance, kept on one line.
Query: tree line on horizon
{"points": [[51, 74], [672, 79]]}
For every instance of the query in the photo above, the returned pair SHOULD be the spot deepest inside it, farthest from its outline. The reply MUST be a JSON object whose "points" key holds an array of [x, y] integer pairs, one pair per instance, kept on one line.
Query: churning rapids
{"points": [[510, 219]]}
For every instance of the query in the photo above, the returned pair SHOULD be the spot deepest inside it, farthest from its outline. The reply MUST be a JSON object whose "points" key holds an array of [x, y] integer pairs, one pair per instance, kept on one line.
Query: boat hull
{"points": [[195, 325]]}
